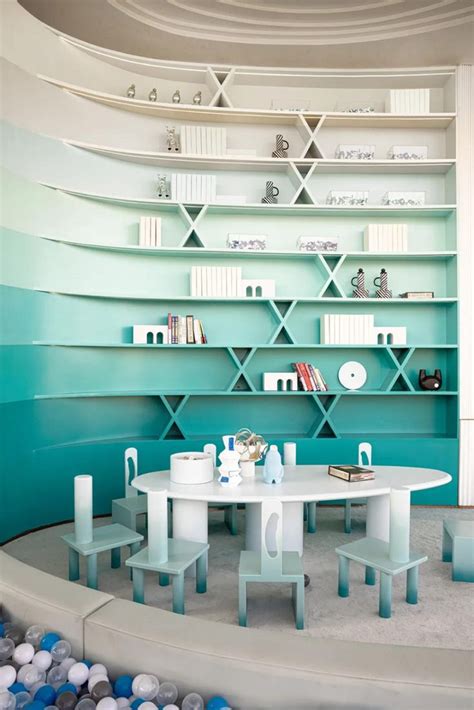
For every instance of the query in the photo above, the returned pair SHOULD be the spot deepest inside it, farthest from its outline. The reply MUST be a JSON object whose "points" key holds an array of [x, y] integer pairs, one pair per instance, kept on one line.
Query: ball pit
{"points": [[37, 672]]}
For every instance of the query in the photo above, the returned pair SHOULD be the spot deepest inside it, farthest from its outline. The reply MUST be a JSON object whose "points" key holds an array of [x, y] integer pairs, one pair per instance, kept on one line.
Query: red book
{"points": [[299, 372], [169, 328], [309, 379], [314, 378]]}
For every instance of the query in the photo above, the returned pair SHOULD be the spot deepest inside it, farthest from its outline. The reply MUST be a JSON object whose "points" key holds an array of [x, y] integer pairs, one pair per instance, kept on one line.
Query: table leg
{"points": [[190, 523], [292, 527], [253, 522], [378, 517]]}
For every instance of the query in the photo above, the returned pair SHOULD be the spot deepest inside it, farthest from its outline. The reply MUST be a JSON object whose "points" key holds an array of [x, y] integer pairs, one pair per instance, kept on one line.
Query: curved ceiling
{"points": [[335, 33]]}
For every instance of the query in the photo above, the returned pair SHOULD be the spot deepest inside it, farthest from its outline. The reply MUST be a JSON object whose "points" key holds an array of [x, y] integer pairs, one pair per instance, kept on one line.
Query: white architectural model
{"points": [[346, 329], [158, 334], [391, 335], [280, 381]]}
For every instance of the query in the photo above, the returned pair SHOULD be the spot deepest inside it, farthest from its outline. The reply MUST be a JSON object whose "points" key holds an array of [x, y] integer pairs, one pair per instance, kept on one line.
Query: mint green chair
{"points": [[267, 566], [167, 557], [88, 542], [458, 548], [126, 510], [390, 558]]}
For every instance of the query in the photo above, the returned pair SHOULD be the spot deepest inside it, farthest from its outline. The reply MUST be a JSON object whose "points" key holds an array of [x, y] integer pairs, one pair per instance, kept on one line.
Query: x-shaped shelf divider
{"points": [[312, 149], [222, 79], [192, 216], [331, 273], [179, 402], [301, 174], [400, 361], [325, 403], [282, 320], [241, 363]]}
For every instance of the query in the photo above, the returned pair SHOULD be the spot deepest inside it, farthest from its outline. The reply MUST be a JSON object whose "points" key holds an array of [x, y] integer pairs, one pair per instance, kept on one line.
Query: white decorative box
{"points": [[247, 242], [404, 199], [408, 152], [386, 237], [355, 152], [408, 101], [347, 198], [317, 244], [191, 468]]}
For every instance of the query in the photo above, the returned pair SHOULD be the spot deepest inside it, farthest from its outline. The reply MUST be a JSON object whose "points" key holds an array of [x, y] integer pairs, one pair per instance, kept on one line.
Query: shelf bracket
{"points": [[192, 216], [241, 365], [325, 404], [282, 320], [400, 365], [174, 413], [331, 272]]}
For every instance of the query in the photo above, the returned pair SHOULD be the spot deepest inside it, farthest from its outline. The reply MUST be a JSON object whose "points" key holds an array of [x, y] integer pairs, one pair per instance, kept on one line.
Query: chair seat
{"points": [[459, 528], [106, 537], [250, 567], [181, 554], [372, 552], [135, 504]]}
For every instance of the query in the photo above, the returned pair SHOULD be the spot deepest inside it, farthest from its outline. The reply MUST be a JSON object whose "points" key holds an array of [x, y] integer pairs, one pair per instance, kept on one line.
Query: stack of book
{"points": [[386, 237], [185, 330], [347, 329], [216, 281], [149, 234], [193, 187], [408, 101], [351, 473], [203, 140], [310, 377]]}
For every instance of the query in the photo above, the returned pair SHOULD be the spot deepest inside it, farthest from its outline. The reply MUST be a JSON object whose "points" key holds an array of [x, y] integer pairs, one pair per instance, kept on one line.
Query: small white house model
{"points": [[280, 381], [150, 334]]}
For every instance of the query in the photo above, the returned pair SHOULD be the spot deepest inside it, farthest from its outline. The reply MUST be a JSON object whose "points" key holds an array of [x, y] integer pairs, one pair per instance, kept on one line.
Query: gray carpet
{"points": [[444, 616]]}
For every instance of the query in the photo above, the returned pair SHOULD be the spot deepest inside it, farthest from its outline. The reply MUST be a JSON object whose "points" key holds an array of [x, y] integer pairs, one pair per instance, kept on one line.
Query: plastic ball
{"points": [[171, 707], [23, 653], [35, 687], [2, 629], [167, 694], [97, 668], [102, 689], [42, 660], [48, 641], [34, 634], [50, 707], [193, 701], [12, 632], [66, 700], [96, 678], [7, 700], [30, 675], [57, 676], [86, 704], [7, 676], [68, 663], [110, 704], [60, 651], [17, 688], [78, 674], [67, 688], [34, 705], [218, 703], [145, 686], [122, 702], [146, 705], [46, 694], [123, 686], [7, 646], [136, 703]]}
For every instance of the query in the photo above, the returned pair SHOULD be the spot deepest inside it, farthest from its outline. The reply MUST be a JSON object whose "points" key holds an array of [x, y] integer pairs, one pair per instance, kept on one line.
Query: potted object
{"points": [[191, 468], [251, 448]]}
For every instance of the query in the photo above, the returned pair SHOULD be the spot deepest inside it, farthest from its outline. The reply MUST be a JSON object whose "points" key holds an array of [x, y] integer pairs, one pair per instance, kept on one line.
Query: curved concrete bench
{"points": [[253, 669]]}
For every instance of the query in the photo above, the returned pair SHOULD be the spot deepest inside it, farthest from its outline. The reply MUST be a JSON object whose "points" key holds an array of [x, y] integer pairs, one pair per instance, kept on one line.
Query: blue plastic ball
{"points": [[48, 641], [136, 703], [123, 686], [217, 703], [46, 694], [17, 688], [35, 705], [2, 630], [65, 687], [86, 662]]}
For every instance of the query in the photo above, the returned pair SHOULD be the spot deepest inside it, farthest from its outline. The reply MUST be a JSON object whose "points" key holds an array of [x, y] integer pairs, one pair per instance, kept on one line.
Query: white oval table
{"points": [[300, 484]]}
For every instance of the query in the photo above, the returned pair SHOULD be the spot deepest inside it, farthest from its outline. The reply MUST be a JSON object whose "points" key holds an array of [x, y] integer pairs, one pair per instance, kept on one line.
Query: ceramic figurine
{"points": [[176, 97], [197, 98], [163, 190], [172, 140], [229, 470], [271, 192], [131, 91], [281, 146], [359, 282], [153, 95], [273, 470], [382, 283]]}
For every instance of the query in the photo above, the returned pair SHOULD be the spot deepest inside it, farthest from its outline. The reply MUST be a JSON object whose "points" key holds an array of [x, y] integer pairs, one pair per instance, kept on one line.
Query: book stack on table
{"points": [[351, 473]]}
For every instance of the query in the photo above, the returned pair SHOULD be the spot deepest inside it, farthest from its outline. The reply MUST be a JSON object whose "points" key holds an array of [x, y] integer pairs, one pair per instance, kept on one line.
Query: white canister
{"points": [[191, 467]]}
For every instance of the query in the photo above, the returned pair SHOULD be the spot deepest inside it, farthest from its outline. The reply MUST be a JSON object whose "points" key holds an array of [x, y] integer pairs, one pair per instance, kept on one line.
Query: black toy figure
{"points": [[430, 382]]}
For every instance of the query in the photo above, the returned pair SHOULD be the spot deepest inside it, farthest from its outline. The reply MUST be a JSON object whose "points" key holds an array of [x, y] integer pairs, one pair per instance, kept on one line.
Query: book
{"points": [[189, 329], [297, 368], [312, 377], [351, 473], [417, 294], [169, 329]]}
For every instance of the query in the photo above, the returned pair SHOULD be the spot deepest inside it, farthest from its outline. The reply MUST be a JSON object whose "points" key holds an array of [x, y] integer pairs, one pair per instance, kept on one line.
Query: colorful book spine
{"points": [[189, 330]]}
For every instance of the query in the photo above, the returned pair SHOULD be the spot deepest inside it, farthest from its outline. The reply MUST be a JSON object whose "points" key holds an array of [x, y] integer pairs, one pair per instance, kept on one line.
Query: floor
{"points": [[444, 616]]}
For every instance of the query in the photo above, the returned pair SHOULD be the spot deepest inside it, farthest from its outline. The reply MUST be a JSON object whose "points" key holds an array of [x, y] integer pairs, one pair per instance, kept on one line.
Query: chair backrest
{"points": [[272, 537], [365, 449], [131, 471], [211, 449]]}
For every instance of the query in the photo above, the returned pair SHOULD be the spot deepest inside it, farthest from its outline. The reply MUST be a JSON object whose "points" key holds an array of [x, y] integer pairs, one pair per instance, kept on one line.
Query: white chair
{"points": [[126, 510], [230, 509]]}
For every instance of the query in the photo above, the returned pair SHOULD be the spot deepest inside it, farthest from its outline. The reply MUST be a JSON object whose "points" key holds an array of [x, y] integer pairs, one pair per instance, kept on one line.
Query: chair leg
{"points": [[312, 517], [92, 579], [138, 585], [178, 593], [230, 519], [385, 600], [305, 512], [370, 576], [463, 560], [201, 574], [299, 605], [412, 585], [347, 517], [163, 579], [447, 554], [74, 572], [134, 548], [170, 519], [115, 558], [343, 587], [242, 602]]}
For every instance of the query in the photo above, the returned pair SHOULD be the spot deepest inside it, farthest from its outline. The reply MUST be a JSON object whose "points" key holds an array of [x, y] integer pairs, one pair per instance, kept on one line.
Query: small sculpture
{"points": [[360, 291], [176, 97], [271, 192], [430, 382], [229, 470], [153, 95], [197, 98], [163, 190], [131, 91], [382, 283], [273, 470], [281, 146], [172, 140]]}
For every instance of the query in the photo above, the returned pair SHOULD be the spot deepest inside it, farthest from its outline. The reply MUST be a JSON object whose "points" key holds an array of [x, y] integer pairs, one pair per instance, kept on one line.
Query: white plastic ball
{"points": [[52, 707], [22, 699], [78, 674], [42, 660], [171, 707], [147, 705], [110, 704], [145, 686], [97, 668], [7, 700], [95, 679], [7, 647], [7, 676], [193, 701], [24, 653], [68, 663], [167, 694], [31, 676], [123, 702], [57, 676], [34, 634], [36, 686], [23, 671], [60, 651]]}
